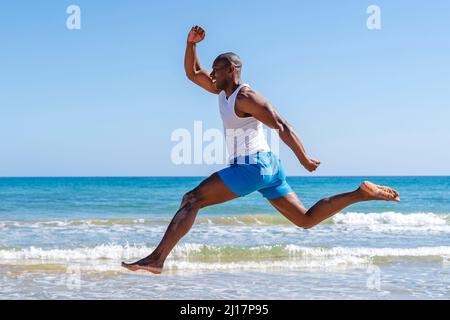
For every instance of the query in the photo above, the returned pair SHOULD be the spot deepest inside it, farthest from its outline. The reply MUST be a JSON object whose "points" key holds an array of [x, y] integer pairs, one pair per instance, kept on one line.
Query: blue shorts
{"points": [[261, 172]]}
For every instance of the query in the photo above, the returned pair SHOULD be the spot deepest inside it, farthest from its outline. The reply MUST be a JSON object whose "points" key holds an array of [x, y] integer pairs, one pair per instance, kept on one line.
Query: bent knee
{"points": [[307, 226], [193, 198], [303, 224]]}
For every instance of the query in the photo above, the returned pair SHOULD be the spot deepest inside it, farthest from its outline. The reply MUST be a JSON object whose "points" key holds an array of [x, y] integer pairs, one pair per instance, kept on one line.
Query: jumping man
{"points": [[253, 166]]}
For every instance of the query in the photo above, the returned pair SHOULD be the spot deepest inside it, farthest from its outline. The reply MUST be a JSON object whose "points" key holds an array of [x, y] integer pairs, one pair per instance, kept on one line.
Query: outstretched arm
{"points": [[192, 65], [257, 106]]}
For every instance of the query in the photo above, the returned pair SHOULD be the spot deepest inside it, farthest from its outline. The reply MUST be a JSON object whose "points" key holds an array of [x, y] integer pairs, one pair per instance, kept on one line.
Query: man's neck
{"points": [[232, 86]]}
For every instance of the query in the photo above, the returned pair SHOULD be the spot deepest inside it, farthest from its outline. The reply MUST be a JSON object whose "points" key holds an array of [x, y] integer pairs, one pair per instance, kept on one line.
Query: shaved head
{"points": [[231, 58], [226, 70]]}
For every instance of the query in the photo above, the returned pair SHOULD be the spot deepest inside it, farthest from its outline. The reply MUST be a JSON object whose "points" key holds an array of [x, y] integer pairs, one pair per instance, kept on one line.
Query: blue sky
{"points": [[104, 100]]}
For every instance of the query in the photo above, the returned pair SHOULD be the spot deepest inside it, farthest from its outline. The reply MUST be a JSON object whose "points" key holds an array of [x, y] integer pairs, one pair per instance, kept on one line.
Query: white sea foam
{"points": [[391, 218], [269, 225], [110, 252], [204, 257], [395, 221], [354, 218]]}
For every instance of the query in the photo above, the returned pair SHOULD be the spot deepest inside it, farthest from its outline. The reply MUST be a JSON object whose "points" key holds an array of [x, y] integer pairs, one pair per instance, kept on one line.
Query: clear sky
{"points": [[104, 100]]}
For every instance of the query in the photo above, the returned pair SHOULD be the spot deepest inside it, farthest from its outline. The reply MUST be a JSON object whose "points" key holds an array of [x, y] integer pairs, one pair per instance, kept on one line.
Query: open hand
{"points": [[311, 165], [196, 34]]}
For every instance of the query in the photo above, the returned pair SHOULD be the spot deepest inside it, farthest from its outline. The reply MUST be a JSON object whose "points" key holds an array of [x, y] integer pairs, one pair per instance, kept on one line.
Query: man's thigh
{"points": [[291, 207], [213, 190]]}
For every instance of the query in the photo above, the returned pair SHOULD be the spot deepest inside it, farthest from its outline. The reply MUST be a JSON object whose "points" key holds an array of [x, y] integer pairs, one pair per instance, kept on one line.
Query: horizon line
{"points": [[201, 176]]}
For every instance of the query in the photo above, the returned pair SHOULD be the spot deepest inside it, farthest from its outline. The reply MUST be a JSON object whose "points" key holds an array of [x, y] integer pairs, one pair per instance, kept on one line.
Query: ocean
{"points": [[64, 238]]}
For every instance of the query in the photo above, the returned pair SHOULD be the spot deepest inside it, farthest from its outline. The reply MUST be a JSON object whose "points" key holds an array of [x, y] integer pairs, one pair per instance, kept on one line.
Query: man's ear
{"points": [[232, 68]]}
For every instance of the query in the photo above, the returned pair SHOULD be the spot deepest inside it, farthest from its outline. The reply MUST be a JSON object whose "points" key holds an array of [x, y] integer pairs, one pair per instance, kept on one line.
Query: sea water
{"points": [[66, 237]]}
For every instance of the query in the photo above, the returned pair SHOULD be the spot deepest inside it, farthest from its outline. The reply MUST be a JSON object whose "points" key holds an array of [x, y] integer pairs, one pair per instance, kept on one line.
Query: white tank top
{"points": [[244, 136]]}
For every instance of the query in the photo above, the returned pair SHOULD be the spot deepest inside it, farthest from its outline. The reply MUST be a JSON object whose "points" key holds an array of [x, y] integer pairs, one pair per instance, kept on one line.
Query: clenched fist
{"points": [[196, 34], [311, 165]]}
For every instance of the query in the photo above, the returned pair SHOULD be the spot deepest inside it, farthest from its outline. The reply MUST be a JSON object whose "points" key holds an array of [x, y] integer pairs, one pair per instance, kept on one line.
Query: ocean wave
{"points": [[226, 254], [81, 222], [348, 218], [221, 220], [391, 218], [395, 222]]}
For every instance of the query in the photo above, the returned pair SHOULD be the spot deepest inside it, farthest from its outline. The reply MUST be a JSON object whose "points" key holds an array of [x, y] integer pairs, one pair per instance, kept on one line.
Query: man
{"points": [[253, 166]]}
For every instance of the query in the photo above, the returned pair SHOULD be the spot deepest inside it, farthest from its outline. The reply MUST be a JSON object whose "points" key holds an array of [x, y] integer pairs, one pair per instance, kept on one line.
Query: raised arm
{"points": [[257, 106], [194, 72]]}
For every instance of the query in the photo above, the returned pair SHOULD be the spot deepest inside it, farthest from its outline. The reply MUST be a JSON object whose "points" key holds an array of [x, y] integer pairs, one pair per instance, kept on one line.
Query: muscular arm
{"points": [[194, 72], [253, 104]]}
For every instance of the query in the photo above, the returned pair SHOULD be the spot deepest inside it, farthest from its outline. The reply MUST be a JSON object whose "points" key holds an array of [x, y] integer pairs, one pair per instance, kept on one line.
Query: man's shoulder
{"points": [[248, 95], [245, 91]]}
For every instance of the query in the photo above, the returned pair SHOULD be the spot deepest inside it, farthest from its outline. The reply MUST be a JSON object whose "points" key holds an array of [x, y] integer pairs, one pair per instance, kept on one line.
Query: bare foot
{"points": [[377, 192], [143, 265]]}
